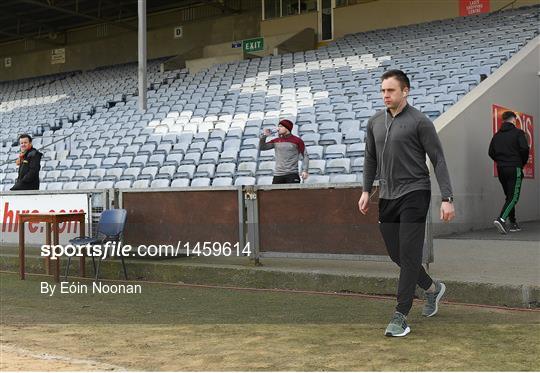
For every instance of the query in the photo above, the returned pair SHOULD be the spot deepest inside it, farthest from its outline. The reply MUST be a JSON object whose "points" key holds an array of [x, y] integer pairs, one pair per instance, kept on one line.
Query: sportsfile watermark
{"points": [[118, 249]]}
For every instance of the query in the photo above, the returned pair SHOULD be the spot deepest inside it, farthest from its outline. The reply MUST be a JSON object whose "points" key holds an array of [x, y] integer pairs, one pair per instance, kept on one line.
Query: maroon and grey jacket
{"points": [[288, 151]]}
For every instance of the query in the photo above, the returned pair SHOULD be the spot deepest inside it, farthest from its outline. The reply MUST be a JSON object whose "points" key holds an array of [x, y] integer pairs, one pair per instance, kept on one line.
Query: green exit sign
{"points": [[253, 45]]}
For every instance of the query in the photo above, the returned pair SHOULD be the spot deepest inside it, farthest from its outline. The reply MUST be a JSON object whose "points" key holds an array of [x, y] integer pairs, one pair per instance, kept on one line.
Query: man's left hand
{"points": [[447, 211], [304, 175]]}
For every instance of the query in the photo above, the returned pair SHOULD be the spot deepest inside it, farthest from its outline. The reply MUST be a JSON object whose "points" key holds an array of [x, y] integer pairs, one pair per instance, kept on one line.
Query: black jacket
{"points": [[509, 147], [29, 171]]}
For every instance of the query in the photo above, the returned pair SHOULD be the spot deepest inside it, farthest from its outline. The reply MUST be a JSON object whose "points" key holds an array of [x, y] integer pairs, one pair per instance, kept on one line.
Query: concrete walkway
{"points": [[489, 257]]}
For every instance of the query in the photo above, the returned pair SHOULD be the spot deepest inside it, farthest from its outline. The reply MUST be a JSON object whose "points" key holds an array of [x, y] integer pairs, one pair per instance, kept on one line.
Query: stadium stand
{"points": [[202, 129]]}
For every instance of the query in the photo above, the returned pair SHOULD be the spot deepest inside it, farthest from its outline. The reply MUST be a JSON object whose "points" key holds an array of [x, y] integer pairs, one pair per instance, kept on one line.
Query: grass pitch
{"points": [[183, 328]]}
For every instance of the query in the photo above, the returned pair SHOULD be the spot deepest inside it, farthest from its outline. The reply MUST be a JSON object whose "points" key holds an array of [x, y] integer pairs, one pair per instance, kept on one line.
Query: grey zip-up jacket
{"points": [[396, 149]]}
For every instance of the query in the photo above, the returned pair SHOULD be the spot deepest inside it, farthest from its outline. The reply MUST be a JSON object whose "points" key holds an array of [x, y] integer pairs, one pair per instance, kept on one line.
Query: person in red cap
{"points": [[289, 149]]}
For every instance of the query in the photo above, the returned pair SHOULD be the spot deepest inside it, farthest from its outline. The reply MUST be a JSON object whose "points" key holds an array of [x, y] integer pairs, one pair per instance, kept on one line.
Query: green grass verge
{"points": [[179, 328]]}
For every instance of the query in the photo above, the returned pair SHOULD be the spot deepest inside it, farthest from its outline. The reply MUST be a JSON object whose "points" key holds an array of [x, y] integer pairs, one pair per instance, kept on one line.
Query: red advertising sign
{"points": [[471, 7], [525, 123]]}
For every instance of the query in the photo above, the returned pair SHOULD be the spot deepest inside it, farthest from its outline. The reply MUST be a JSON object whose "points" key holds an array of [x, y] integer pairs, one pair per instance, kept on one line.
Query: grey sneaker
{"points": [[500, 224], [398, 326], [432, 300], [514, 227]]}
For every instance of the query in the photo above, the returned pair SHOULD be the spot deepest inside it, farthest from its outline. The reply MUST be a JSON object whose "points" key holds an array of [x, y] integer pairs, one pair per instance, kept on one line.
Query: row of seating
{"points": [[172, 171], [185, 182]]}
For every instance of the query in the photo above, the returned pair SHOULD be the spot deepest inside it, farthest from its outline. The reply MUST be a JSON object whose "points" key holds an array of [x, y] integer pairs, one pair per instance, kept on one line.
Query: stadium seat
{"points": [[180, 183], [107, 184], [160, 183], [222, 181], [71, 185], [185, 171], [200, 182], [225, 170], [356, 150], [244, 180], [331, 138], [248, 155], [311, 139], [87, 185], [266, 168], [205, 171], [191, 159], [265, 180], [317, 166], [328, 128], [315, 151], [156, 160], [123, 184], [340, 165], [141, 184], [51, 176], [357, 165], [335, 151]]}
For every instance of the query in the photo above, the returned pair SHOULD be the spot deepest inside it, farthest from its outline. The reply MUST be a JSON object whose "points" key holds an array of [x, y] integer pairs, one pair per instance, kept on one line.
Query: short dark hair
{"points": [[401, 77], [508, 115], [25, 136]]}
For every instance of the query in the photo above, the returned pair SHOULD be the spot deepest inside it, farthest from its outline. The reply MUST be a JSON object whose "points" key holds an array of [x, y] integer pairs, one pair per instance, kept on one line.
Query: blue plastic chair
{"points": [[110, 228]]}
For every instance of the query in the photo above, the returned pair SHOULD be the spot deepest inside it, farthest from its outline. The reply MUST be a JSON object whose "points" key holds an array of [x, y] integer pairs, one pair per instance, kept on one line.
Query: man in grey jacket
{"points": [[397, 141]]}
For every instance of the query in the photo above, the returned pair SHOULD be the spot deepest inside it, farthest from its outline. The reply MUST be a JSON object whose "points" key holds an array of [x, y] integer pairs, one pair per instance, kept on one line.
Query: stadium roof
{"points": [[46, 19]]}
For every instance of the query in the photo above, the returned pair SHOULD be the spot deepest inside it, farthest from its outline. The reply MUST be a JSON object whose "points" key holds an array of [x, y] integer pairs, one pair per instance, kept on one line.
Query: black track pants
{"points": [[402, 224]]}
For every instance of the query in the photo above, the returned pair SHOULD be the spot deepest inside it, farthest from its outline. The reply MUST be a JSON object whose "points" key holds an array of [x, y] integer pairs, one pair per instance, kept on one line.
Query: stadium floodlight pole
{"points": [[142, 55]]}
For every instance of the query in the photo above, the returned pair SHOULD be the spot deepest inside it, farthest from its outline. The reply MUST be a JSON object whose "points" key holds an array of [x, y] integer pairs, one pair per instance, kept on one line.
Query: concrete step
{"points": [[281, 274]]}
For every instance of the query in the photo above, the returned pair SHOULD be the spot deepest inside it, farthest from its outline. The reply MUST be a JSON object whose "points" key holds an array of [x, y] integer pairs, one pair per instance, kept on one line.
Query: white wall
{"points": [[466, 130]]}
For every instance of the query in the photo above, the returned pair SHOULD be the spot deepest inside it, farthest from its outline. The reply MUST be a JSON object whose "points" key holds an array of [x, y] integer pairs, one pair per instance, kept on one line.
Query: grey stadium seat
{"points": [[244, 180]]}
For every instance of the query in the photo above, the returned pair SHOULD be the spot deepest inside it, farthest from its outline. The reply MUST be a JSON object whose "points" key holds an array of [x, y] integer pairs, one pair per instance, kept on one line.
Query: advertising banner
{"points": [[472, 7], [12, 206]]}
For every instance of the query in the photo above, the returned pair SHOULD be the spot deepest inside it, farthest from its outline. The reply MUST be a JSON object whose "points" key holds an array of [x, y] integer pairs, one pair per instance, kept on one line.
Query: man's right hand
{"points": [[19, 159], [363, 203]]}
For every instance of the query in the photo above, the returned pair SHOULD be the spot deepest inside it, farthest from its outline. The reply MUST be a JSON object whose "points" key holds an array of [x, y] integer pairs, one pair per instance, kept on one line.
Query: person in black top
{"points": [[29, 162], [510, 150]]}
